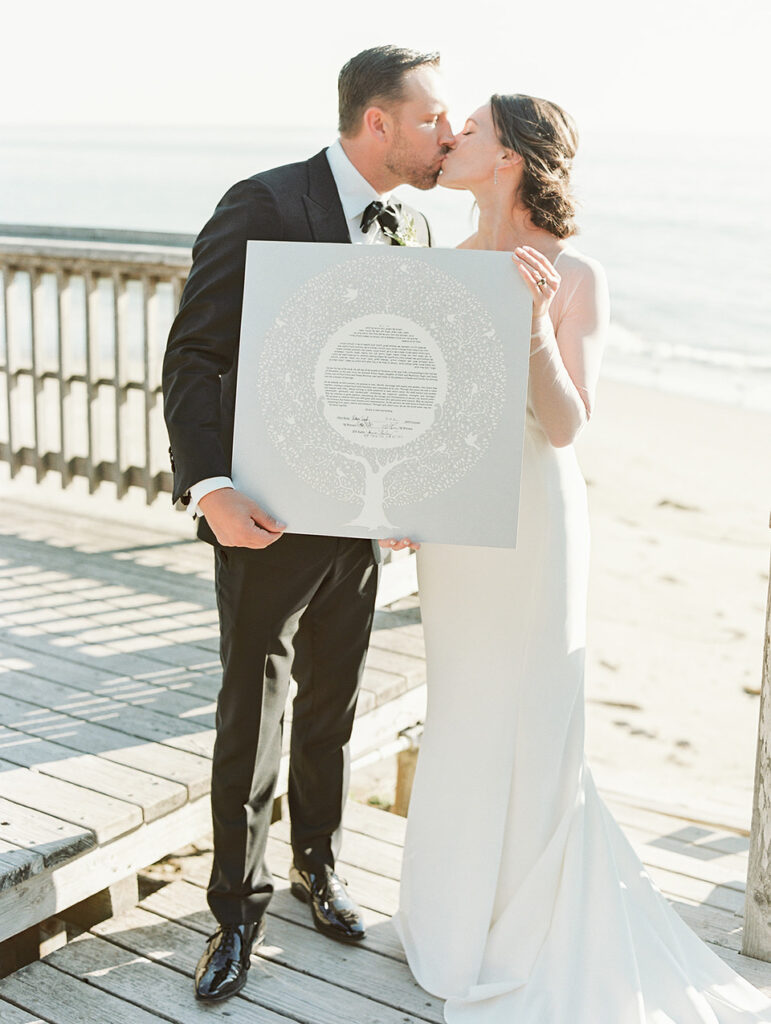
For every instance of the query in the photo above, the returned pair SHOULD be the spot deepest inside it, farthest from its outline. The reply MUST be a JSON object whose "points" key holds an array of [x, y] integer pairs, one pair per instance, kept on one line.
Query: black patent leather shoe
{"points": [[221, 971], [334, 912]]}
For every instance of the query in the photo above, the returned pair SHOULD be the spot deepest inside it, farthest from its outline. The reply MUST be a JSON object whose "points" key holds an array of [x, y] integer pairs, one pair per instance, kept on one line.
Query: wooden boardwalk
{"points": [[109, 674], [108, 681], [138, 967]]}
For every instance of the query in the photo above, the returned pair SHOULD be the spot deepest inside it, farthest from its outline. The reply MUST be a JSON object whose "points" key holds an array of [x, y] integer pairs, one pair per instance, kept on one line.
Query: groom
{"points": [[287, 602]]}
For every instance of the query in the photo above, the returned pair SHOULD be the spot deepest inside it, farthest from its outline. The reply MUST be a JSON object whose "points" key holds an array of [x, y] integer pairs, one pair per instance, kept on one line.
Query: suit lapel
{"points": [[322, 203]]}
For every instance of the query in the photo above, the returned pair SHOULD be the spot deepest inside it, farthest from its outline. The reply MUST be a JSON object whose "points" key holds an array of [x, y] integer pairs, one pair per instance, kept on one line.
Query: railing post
{"points": [[756, 940], [10, 381], [38, 440], [63, 381], [148, 293], [91, 352], [120, 312]]}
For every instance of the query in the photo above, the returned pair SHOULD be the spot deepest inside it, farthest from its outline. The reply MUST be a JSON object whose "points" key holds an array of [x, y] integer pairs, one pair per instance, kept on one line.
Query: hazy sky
{"points": [[662, 64]]}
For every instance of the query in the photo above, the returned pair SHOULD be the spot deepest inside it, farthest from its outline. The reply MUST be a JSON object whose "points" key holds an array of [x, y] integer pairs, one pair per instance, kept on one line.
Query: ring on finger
{"points": [[541, 282]]}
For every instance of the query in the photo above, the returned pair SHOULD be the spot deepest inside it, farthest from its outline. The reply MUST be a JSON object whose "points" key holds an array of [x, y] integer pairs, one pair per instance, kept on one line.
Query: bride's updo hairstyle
{"points": [[545, 137]]}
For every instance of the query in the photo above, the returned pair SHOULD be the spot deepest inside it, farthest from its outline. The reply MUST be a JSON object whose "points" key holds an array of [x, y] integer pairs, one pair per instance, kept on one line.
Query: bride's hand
{"points": [[397, 545], [540, 277]]}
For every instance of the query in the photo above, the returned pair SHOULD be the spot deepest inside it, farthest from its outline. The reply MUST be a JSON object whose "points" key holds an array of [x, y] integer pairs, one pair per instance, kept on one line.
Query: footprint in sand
{"points": [[624, 705], [669, 503], [636, 732], [735, 634], [608, 665]]}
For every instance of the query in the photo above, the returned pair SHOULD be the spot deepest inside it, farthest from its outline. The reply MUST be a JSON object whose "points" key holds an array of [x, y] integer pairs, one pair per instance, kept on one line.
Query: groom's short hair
{"points": [[375, 77]]}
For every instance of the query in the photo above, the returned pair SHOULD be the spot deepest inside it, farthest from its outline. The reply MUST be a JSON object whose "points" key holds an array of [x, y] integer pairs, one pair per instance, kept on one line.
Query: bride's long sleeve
{"points": [[565, 365]]}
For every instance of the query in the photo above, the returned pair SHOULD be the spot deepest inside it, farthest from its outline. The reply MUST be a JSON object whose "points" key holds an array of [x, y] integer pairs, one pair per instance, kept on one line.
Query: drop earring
{"points": [[495, 176]]}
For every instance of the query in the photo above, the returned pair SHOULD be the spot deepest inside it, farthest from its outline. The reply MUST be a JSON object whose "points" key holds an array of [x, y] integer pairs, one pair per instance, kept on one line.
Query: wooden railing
{"points": [[83, 327], [85, 315]]}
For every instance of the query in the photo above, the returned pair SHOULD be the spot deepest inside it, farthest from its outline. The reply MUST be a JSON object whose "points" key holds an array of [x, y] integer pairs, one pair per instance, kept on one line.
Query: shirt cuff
{"points": [[204, 487]]}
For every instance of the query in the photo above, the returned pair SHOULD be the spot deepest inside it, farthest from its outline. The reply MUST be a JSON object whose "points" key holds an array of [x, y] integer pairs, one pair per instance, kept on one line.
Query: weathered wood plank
{"points": [[49, 892], [130, 974], [105, 816], [205, 685], [360, 849], [132, 657], [375, 822], [707, 842], [200, 743], [381, 937], [396, 637], [10, 1014], [60, 999], [375, 891], [55, 669], [707, 813], [151, 693], [154, 795], [719, 927], [153, 984], [107, 568], [696, 890], [188, 769], [301, 949], [662, 852], [756, 972], [17, 864], [293, 941], [142, 721], [53, 838]]}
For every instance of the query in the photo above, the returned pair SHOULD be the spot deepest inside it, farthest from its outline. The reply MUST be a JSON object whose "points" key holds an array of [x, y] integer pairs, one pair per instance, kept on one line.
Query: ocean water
{"points": [[682, 225]]}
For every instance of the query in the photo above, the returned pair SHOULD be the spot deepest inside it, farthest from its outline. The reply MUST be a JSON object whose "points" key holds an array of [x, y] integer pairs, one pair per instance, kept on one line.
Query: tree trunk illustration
{"points": [[372, 514]]}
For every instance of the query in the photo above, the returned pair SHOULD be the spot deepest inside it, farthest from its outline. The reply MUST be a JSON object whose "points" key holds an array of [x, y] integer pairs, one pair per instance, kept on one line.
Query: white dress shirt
{"points": [[356, 194]]}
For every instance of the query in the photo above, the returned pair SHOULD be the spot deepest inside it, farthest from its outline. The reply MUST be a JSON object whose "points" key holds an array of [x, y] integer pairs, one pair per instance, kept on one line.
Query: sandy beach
{"points": [[679, 502]]}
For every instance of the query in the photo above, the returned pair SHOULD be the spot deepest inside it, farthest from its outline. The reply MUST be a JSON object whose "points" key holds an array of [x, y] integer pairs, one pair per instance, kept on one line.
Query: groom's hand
{"points": [[392, 544], [237, 521]]}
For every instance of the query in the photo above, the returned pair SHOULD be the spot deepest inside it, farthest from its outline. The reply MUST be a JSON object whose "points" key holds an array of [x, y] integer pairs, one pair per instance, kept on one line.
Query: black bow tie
{"points": [[388, 217]]}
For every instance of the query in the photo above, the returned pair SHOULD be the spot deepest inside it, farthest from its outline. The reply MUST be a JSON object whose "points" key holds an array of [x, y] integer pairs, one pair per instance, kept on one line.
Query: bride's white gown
{"points": [[522, 902]]}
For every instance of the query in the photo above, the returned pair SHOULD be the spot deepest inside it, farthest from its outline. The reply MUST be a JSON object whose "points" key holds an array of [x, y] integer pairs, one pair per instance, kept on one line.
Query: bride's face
{"points": [[476, 153]]}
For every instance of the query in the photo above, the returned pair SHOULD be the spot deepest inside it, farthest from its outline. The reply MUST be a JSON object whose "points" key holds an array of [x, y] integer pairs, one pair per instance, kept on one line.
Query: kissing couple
{"points": [[521, 899]]}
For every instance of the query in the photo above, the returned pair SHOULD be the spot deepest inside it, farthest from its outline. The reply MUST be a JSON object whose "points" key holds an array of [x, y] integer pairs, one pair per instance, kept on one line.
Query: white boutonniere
{"points": [[406, 233]]}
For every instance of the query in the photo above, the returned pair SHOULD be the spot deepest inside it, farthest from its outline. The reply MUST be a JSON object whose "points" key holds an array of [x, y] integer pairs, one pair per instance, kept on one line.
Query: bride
{"points": [[522, 901]]}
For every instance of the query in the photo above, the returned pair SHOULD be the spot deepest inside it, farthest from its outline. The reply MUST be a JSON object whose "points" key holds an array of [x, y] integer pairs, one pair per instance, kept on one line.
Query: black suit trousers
{"points": [[303, 606]]}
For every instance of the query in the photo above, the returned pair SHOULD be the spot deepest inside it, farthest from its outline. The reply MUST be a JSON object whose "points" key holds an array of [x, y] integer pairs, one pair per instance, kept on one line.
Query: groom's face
{"points": [[421, 135]]}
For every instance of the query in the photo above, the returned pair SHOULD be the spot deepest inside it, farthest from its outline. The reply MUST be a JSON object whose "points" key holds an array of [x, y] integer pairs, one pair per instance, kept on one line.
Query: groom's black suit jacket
{"points": [[295, 203]]}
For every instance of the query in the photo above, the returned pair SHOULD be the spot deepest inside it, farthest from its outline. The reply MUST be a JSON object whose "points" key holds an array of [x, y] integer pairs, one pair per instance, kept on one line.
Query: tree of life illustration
{"points": [[381, 382]]}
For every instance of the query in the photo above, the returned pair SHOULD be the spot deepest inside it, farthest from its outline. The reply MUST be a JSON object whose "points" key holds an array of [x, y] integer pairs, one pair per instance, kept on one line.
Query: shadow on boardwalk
{"points": [[109, 674]]}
